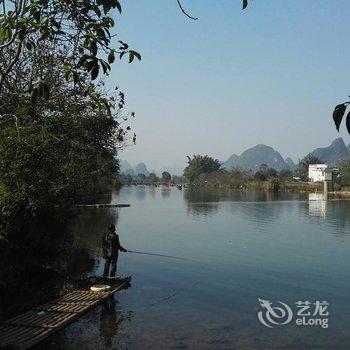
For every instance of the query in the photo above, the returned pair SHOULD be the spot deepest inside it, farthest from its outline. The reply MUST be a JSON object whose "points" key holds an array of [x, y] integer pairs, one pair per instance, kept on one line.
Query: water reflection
{"points": [[110, 321], [246, 245], [292, 259], [165, 191], [70, 255], [140, 192], [204, 195], [102, 328], [201, 202], [262, 214], [207, 202], [42, 282], [318, 204], [265, 208], [152, 191]]}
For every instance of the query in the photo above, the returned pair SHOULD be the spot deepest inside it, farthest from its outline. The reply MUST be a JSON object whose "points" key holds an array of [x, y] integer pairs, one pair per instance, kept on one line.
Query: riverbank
{"points": [[271, 185]]}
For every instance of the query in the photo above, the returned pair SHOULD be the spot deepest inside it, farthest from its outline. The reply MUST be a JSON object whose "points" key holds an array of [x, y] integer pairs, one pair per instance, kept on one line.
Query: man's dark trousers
{"points": [[110, 262]]}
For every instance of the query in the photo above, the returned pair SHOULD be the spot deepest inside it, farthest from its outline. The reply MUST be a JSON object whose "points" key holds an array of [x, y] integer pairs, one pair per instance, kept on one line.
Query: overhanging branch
{"points": [[184, 12]]}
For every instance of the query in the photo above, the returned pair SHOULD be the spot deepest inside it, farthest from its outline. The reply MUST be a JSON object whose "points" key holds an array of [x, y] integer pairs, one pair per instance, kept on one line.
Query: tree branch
{"points": [[184, 12], [4, 74]]}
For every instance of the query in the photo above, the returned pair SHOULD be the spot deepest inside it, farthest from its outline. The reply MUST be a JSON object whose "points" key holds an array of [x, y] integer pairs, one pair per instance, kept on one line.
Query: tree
{"points": [[54, 154], [198, 165], [152, 178], [141, 178], [265, 173], [166, 177], [125, 178], [285, 175], [344, 171], [83, 26], [302, 169], [60, 129]]}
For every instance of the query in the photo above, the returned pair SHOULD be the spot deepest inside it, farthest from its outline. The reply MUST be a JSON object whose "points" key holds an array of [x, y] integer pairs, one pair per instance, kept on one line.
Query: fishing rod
{"points": [[160, 255]]}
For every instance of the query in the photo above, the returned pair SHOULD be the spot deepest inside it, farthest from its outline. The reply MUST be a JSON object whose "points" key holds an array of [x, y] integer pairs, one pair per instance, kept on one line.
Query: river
{"points": [[236, 247]]}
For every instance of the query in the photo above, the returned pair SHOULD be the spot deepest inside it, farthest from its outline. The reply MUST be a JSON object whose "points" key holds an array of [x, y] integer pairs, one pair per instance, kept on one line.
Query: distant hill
{"points": [[252, 158], [290, 163], [126, 168], [334, 153], [231, 162], [141, 169]]}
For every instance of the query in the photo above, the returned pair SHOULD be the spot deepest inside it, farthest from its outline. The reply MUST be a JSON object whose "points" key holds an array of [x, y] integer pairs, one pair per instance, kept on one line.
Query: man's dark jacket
{"points": [[111, 245]]}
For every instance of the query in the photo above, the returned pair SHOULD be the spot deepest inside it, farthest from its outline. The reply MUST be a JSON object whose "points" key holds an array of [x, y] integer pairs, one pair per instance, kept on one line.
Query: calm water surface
{"points": [[242, 246]]}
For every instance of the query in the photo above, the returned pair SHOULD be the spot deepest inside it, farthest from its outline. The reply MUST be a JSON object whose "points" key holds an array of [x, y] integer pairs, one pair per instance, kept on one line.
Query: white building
{"points": [[317, 172]]}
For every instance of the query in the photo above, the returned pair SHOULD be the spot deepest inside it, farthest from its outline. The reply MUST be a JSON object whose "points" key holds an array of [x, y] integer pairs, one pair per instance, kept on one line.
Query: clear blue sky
{"points": [[232, 79]]}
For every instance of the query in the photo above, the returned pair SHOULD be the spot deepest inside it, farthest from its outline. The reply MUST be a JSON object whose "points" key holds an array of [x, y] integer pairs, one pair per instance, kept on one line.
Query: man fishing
{"points": [[110, 248]]}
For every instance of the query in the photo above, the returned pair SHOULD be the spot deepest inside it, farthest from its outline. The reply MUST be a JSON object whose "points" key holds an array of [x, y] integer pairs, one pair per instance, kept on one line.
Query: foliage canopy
{"points": [[198, 165]]}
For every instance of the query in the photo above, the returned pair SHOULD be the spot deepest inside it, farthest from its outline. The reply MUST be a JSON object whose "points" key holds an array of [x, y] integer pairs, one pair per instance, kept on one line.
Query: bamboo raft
{"points": [[26, 330], [103, 205]]}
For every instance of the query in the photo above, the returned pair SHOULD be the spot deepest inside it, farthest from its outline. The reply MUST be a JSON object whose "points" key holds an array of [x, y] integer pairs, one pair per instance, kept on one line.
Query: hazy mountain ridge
{"points": [[334, 153], [290, 163], [141, 168], [252, 158], [127, 169]]}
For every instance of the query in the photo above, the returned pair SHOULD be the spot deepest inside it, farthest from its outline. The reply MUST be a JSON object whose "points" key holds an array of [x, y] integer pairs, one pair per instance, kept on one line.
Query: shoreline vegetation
{"points": [[205, 171], [253, 185], [61, 128]]}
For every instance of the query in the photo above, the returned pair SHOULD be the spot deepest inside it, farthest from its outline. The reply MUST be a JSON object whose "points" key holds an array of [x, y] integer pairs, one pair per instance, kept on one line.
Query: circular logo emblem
{"points": [[272, 316]]}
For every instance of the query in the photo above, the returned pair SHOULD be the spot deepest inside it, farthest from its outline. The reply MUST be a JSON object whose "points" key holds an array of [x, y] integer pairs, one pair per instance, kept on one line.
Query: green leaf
{"points": [[94, 71], [93, 48], [338, 114], [41, 88], [133, 54], [90, 65], [117, 4], [137, 55], [245, 4], [28, 45], [97, 11], [34, 96], [37, 16], [22, 33], [348, 122], [105, 66], [46, 91], [8, 32], [124, 45], [67, 74], [111, 57], [75, 77]]}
